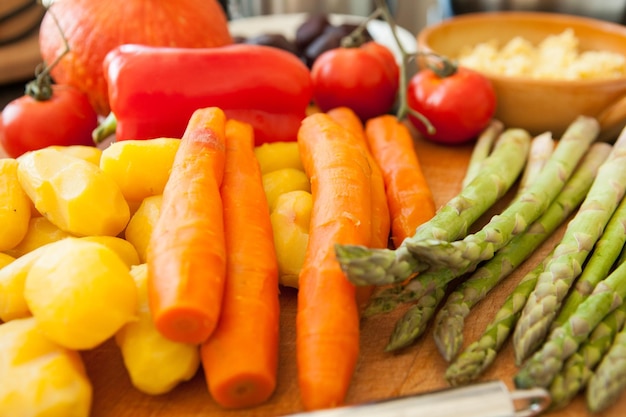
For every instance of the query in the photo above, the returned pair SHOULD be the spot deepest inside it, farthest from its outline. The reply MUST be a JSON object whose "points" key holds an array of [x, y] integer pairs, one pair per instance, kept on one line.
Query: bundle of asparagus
{"points": [[365, 266], [575, 174], [553, 284], [413, 324], [449, 323], [589, 338]]}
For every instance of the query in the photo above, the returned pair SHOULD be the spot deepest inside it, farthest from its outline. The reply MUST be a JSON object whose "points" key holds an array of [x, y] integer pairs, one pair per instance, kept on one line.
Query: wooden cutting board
{"points": [[379, 375]]}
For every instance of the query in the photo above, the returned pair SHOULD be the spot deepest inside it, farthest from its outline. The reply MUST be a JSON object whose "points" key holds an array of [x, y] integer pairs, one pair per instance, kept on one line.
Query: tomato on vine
{"points": [[47, 115], [364, 78], [53, 115], [458, 102]]}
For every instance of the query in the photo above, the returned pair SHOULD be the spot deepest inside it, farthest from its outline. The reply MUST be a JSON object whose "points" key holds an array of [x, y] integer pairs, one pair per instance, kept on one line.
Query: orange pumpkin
{"points": [[94, 27]]}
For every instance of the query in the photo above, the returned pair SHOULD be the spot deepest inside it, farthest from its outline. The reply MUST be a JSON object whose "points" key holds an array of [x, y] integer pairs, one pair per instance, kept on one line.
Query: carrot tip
{"points": [[185, 325]]}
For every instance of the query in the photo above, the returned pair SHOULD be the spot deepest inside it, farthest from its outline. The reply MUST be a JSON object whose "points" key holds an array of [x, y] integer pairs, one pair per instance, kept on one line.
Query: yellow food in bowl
{"points": [[557, 57]]}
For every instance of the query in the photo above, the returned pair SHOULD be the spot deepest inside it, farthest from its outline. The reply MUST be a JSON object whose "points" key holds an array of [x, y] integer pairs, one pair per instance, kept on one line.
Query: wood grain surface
{"points": [[379, 375]]}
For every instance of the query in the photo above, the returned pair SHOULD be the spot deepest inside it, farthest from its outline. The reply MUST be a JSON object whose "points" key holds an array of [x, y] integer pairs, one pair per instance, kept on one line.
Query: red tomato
{"points": [[459, 106], [66, 118], [363, 78]]}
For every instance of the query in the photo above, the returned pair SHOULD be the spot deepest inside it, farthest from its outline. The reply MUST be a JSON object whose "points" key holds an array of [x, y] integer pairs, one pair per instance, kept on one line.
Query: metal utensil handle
{"points": [[487, 399], [534, 401]]}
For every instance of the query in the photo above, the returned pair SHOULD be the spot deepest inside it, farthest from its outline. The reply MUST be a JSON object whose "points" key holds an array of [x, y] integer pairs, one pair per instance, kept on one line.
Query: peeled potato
{"points": [[290, 224], [142, 223], [40, 378], [140, 167], [155, 364], [40, 232], [12, 281], [15, 207], [5, 259], [88, 153], [75, 195], [282, 181], [278, 155], [123, 248], [80, 292]]}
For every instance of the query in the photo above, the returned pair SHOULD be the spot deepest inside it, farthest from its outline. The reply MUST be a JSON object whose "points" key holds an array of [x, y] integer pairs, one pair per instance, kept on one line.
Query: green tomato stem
{"points": [[104, 129], [41, 87]]}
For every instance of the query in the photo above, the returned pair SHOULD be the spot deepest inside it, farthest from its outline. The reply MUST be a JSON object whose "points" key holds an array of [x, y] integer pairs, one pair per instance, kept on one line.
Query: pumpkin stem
{"points": [[41, 87]]}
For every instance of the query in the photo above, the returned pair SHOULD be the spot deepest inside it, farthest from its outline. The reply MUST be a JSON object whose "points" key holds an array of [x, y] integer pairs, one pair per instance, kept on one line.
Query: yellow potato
{"points": [[290, 224], [142, 223], [14, 206], [5, 259], [124, 249], [278, 155], [40, 232], [282, 181], [88, 153], [75, 195], [40, 378], [155, 364], [12, 280], [140, 167], [80, 292]]}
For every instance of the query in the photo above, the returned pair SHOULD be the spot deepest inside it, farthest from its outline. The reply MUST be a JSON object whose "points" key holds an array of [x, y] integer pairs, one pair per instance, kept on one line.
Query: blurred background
{"points": [[19, 22]]}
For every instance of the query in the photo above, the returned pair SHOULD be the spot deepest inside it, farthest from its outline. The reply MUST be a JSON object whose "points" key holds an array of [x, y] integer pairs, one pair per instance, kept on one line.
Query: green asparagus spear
{"points": [[622, 256], [541, 149], [603, 257], [579, 367], [482, 149], [582, 232], [479, 355], [366, 266], [541, 368], [450, 319], [386, 300], [415, 320], [464, 255], [609, 380]]}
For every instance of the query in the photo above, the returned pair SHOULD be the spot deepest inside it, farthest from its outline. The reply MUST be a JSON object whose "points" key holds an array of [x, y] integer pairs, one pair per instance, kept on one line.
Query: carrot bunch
{"points": [[213, 276]]}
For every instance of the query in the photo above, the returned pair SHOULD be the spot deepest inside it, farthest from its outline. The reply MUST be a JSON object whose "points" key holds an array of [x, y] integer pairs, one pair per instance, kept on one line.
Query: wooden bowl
{"points": [[540, 105]]}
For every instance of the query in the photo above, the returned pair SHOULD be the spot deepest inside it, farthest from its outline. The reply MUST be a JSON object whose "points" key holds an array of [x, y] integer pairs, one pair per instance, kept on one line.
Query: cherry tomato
{"points": [[65, 118], [363, 78], [459, 106]]}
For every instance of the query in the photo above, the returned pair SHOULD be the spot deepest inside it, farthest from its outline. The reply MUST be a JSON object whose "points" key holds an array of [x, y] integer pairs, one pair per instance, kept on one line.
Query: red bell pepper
{"points": [[153, 91]]}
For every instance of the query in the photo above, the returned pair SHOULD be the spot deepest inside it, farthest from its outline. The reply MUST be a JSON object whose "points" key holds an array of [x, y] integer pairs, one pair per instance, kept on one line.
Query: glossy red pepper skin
{"points": [[154, 90]]}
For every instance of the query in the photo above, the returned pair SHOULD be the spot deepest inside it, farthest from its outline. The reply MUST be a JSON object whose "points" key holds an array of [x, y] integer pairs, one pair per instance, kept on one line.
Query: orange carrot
{"points": [[186, 254], [346, 117], [409, 197], [240, 359], [327, 320]]}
